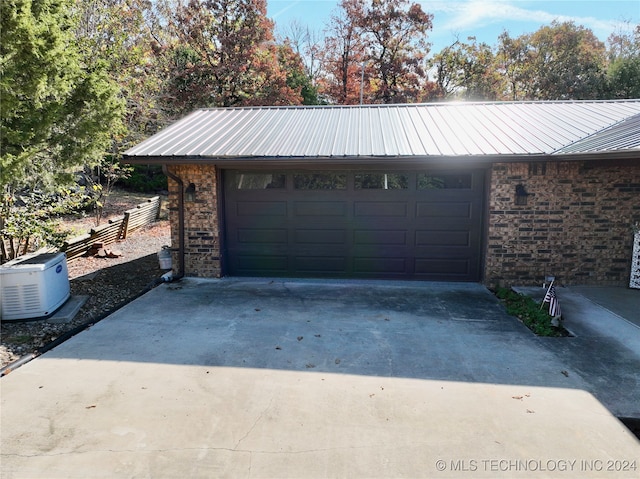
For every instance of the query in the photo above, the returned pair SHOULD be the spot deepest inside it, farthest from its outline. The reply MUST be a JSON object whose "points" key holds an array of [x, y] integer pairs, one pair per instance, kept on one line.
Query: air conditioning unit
{"points": [[33, 286]]}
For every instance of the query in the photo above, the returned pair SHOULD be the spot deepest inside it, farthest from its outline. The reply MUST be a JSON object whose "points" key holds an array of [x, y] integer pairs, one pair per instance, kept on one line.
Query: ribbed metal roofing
{"points": [[399, 131], [621, 136]]}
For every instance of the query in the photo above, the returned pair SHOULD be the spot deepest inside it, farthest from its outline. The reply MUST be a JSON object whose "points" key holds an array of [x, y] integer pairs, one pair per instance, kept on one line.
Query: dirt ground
{"points": [[109, 283]]}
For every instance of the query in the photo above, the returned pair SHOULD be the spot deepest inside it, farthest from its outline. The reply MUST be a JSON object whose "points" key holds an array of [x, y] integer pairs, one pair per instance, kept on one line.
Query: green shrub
{"points": [[529, 312], [145, 179], [27, 219]]}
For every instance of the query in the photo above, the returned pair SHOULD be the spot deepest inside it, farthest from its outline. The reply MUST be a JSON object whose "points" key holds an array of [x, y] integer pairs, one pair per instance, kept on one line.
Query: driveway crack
{"points": [[253, 426]]}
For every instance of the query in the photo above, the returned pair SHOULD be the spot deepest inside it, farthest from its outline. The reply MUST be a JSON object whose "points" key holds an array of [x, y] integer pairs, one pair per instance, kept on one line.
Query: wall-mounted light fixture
{"points": [[190, 193], [521, 195]]}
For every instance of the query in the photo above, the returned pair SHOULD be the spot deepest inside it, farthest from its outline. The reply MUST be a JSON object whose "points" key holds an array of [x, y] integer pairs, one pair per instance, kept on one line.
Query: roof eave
{"points": [[280, 161], [630, 154], [324, 160]]}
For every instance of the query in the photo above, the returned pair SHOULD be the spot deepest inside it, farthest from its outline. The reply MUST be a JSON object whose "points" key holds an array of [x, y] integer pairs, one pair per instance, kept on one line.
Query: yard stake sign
{"points": [[634, 281]]}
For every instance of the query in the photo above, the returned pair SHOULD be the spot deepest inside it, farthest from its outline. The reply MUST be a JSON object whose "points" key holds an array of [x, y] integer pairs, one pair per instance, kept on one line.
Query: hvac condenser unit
{"points": [[33, 286]]}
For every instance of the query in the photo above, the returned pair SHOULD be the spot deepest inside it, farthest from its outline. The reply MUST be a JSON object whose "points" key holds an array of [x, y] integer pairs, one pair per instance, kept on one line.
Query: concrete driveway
{"points": [[274, 378]]}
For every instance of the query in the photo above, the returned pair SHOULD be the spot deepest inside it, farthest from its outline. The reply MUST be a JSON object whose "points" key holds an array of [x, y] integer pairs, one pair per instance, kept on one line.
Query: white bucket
{"points": [[164, 257]]}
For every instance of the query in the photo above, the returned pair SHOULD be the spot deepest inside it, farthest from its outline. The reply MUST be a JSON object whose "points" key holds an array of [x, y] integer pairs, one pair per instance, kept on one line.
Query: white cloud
{"points": [[460, 16]]}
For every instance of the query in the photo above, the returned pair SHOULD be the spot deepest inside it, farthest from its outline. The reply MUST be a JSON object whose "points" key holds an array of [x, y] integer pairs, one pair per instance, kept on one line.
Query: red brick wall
{"points": [[202, 227], [576, 224]]}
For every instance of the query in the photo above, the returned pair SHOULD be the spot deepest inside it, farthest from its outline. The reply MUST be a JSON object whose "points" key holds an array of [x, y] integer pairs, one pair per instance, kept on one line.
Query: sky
{"points": [[484, 19]]}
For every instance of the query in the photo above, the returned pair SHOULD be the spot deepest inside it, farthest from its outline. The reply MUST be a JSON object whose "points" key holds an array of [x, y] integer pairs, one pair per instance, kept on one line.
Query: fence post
{"points": [[125, 224]]}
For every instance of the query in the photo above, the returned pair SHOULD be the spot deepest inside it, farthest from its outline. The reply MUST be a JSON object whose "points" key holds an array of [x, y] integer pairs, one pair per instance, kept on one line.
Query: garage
{"points": [[494, 192], [419, 224]]}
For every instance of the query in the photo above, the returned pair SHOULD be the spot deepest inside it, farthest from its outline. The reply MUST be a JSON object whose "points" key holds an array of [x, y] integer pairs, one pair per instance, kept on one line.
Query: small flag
{"points": [[552, 299]]}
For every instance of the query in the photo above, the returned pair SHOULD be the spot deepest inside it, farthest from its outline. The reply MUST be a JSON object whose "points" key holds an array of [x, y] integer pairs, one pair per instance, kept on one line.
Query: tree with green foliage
{"points": [[127, 35], [297, 78], [560, 61], [567, 63], [513, 65], [466, 71], [59, 110], [28, 221], [623, 74]]}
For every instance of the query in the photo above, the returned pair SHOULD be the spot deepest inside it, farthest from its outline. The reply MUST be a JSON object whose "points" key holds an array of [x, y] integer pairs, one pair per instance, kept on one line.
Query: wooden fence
{"points": [[114, 230]]}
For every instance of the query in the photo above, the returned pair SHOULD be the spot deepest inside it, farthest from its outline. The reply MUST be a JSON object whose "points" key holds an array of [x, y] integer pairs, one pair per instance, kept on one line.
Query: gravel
{"points": [[109, 283]]}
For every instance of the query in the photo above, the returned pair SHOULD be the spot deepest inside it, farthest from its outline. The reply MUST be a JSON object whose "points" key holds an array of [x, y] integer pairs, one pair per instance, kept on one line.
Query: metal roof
{"points": [[621, 136], [438, 130]]}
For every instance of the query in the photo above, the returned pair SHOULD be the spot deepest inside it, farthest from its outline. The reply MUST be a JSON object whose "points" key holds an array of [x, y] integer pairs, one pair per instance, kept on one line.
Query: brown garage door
{"points": [[363, 224]]}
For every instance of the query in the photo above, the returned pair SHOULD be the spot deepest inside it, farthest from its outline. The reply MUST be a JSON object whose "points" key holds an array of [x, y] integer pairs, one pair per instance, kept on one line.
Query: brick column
{"points": [[202, 227]]}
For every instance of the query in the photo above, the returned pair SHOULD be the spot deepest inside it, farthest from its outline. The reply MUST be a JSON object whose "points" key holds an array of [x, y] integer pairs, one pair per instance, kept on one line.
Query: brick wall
{"points": [[202, 228], [576, 224]]}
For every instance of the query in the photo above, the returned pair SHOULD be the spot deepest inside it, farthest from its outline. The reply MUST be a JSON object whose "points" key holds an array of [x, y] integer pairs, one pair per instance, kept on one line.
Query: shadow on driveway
{"points": [[421, 330]]}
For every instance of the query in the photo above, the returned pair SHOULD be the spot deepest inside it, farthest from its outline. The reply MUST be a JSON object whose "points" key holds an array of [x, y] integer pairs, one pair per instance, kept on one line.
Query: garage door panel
{"points": [[250, 264], [320, 236], [443, 210], [264, 236], [442, 266], [261, 208], [380, 208], [320, 264], [320, 208], [380, 266], [378, 237], [442, 238]]}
